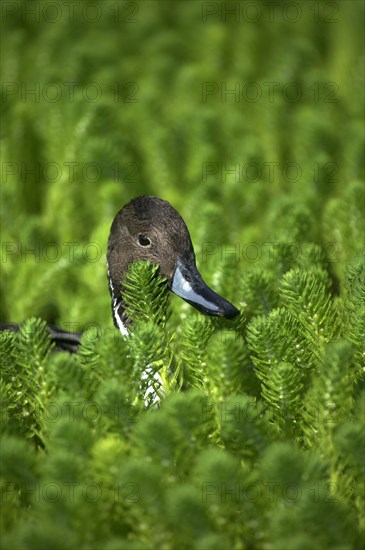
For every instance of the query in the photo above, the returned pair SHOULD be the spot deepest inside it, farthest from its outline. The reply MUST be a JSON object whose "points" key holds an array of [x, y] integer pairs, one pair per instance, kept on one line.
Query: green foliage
{"points": [[354, 289], [146, 304], [277, 337], [145, 299], [329, 399], [260, 292], [307, 296], [25, 390], [257, 440]]}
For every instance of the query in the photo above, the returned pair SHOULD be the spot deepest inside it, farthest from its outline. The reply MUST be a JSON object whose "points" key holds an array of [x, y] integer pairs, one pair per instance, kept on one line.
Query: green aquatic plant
{"points": [[258, 438]]}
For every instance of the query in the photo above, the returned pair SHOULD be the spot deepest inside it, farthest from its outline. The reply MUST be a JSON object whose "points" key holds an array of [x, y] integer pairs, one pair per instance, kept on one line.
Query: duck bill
{"points": [[189, 285]]}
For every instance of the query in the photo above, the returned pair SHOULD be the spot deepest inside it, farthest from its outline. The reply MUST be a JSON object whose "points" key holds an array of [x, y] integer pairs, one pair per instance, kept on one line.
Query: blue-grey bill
{"points": [[189, 285]]}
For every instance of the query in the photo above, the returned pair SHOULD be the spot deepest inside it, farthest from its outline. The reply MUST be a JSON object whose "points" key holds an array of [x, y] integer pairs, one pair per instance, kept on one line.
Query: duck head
{"points": [[149, 228]]}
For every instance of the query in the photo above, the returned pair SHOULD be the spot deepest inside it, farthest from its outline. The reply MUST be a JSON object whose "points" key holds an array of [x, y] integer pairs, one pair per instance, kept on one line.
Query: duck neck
{"points": [[120, 318]]}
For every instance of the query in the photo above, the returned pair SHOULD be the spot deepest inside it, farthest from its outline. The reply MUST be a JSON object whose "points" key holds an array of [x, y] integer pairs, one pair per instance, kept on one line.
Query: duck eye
{"points": [[143, 240]]}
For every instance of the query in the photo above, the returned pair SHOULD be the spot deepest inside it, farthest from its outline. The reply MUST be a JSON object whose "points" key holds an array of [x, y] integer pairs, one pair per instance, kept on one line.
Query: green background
{"points": [[123, 98]]}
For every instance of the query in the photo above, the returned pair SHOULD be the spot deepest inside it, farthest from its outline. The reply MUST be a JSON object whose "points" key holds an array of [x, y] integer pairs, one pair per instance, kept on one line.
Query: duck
{"points": [[149, 228]]}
